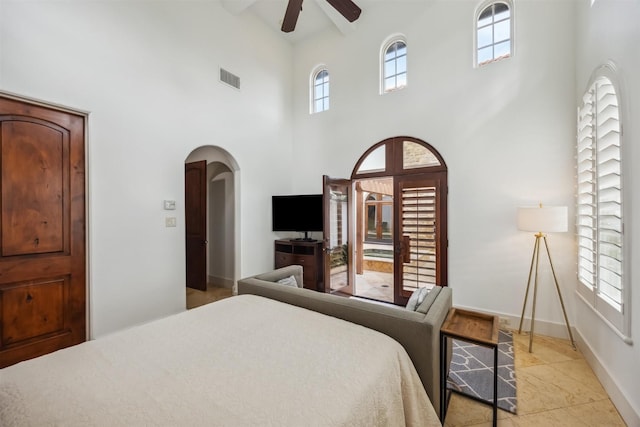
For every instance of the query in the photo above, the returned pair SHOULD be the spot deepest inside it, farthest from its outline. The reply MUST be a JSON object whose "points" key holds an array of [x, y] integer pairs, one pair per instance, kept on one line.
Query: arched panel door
{"points": [[400, 187], [42, 230]]}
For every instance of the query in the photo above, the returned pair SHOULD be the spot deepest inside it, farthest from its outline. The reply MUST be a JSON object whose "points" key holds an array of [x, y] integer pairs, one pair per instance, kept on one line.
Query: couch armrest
{"points": [[282, 273]]}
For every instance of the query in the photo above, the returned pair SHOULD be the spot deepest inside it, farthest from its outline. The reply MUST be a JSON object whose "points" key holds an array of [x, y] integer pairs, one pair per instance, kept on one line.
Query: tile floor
{"points": [[196, 298], [556, 386]]}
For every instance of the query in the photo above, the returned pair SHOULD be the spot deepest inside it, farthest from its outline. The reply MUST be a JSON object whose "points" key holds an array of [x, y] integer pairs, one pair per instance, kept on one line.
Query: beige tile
{"points": [[597, 414], [545, 387], [579, 370], [556, 387], [545, 350], [557, 417], [464, 411], [196, 298]]}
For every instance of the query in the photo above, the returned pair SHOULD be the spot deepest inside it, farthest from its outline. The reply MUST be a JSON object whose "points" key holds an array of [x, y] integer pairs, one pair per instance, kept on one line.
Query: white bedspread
{"points": [[242, 361]]}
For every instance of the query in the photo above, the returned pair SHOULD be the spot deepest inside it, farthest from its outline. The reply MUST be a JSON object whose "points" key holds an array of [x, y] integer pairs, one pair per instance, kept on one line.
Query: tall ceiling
{"points": [[316, 16]]}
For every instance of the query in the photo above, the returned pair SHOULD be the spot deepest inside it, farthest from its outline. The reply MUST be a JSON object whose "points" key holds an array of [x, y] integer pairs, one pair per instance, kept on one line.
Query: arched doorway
{"points": [[398, 199], [211, 224]]}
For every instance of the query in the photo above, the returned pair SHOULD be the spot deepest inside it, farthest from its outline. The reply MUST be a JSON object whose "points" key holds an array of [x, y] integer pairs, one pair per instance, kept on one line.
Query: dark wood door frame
{"points": [[344, 185], [394, 168]]}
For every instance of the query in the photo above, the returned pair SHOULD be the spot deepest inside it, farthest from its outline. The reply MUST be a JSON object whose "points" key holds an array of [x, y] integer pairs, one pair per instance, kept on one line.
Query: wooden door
{"points": [[42, 230], [195, 190], [420, 247], [338, 271]]}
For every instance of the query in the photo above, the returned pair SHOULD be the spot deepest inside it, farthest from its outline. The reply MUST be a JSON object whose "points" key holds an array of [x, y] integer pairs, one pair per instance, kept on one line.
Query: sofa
{"points": [[417, 332]]}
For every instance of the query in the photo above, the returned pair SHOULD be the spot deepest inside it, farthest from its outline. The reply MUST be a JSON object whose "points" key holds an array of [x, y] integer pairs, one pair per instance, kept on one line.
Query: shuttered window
{"points": [[599, 219]]}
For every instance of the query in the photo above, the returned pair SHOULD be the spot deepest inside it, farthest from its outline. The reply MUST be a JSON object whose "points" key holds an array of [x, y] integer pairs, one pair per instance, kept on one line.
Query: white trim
{"points": [[627, 339], [629, 414], [542, 327], [397, 37], [45, 104]]}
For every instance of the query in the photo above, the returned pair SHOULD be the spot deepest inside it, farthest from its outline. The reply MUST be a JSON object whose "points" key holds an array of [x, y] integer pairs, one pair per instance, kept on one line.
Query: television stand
{"points": [[308, 254], [305, 238]]}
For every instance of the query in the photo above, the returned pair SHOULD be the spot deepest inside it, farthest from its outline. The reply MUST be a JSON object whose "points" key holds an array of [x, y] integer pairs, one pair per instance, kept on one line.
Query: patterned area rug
{"points": [[471, 371]]}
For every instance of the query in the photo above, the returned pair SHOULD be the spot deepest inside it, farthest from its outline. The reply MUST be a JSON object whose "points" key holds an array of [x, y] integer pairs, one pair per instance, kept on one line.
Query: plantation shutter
{"points": [[419, 228], [608, 169], [599, 196], [586, 212]]}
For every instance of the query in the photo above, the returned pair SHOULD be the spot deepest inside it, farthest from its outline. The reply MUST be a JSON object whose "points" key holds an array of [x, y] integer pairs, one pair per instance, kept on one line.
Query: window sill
{"points": [[627, 340]]}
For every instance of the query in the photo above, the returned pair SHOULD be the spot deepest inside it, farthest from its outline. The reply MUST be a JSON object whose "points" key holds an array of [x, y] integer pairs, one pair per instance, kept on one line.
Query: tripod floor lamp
{"points": [[542, 220]]}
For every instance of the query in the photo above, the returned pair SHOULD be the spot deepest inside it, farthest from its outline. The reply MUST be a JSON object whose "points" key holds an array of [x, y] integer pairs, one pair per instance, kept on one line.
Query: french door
{"points": [[420, 244], [338, 274], [386, 229]]}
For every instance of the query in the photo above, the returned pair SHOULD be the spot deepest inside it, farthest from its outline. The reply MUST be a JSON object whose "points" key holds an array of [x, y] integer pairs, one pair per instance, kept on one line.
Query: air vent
{"points": [[229, 78]]}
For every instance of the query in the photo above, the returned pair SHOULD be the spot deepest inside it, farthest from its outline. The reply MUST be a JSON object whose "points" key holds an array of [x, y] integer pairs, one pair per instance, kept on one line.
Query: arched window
{"points": [[320, 91], [394, 65], [494, 38], [600, 213]]}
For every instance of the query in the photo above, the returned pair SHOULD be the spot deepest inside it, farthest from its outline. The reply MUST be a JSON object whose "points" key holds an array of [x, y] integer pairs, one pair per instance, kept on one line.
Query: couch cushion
{"points": [[288, 281], [428, 300], [417, 297]]}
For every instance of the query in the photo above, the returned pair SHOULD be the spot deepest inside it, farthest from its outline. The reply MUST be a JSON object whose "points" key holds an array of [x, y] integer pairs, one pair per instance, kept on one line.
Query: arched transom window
{"points": [[394, 66], [320, 91], [493, 33]]}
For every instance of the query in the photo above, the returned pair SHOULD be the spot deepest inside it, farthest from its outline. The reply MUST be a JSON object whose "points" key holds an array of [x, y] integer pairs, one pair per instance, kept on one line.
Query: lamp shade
{"points": [[544, 219]]}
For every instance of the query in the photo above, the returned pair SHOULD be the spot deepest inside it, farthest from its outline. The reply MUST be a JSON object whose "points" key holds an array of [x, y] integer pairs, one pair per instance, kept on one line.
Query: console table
{"points": [[308, 254], [476, 328]]}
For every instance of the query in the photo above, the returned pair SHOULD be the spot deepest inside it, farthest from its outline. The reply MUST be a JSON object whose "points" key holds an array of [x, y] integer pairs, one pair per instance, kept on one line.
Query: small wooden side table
{"points": [[476, 328]]}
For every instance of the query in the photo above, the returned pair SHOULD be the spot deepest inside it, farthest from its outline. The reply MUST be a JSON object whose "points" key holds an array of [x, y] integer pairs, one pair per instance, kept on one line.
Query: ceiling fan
{"points": [[347, 8]]}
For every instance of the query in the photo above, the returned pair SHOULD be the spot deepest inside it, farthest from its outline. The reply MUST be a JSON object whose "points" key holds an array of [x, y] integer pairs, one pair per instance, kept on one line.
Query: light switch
{"points": [[169, 205], [170, 221]]}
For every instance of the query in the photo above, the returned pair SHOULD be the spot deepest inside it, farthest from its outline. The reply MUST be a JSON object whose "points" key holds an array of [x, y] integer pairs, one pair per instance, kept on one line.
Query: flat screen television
{"points": [[300, 212]]}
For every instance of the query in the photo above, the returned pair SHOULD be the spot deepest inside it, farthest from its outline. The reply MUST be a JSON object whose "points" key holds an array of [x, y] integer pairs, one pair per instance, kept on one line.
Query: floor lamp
{"points": [[542, 220]]}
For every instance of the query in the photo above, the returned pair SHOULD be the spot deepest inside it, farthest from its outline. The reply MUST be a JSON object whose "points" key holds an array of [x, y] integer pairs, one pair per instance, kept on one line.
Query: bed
{"points": [[242, 361]]}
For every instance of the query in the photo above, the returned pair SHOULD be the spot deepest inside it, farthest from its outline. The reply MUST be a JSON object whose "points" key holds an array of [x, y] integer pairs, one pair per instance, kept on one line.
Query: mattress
{"points": [[241, 361]]}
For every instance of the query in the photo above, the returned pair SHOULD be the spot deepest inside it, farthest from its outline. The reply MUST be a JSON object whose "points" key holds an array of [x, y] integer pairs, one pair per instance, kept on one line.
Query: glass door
{"points": [[337, 251], [373, 255]]}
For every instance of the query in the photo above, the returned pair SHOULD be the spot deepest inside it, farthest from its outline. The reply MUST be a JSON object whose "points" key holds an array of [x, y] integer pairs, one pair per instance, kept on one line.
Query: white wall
{"points": [[506, 132], [610, 31], [148, 74], [221, 227]]}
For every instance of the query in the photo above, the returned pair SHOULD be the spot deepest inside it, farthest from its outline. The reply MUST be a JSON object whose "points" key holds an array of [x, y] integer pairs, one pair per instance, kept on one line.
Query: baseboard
{"points": [[542, 327], [222, 281], [628, 413]]}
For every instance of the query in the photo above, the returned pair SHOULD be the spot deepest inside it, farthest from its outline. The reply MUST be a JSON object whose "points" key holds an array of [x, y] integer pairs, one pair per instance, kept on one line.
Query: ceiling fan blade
{"points": [[291, 15], [347, 8]]}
